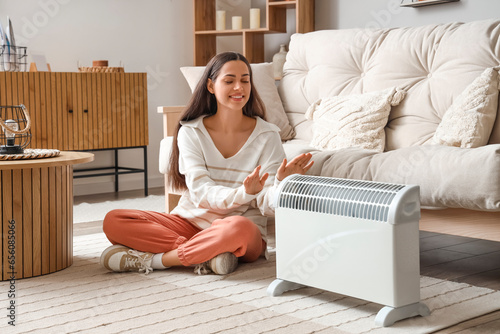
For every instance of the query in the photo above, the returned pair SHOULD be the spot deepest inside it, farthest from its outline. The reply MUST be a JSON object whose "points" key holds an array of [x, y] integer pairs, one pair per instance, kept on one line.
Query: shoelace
{"points": [[132, 262]]}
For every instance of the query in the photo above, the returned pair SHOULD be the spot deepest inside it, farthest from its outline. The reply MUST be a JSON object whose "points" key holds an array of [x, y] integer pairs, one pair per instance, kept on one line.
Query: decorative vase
{"points": [[278, 62]]}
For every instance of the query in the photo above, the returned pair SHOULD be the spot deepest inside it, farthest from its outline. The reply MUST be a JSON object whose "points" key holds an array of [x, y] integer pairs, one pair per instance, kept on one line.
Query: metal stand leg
{"points": [[278, 286], [145, 148], [116, 170], [387, 316]]}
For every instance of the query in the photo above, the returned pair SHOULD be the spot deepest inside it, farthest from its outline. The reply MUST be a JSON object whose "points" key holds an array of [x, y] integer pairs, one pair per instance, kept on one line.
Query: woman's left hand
{"points": [[254, 183], [298, 165]]}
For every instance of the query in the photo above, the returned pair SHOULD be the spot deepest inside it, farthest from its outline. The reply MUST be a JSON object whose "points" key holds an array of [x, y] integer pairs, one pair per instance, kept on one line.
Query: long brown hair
{"points": [[202, 102]]}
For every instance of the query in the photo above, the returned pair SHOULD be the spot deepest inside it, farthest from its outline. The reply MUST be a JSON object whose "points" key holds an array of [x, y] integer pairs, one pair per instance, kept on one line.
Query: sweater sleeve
{"points": [[203, 191], [270, 160]]}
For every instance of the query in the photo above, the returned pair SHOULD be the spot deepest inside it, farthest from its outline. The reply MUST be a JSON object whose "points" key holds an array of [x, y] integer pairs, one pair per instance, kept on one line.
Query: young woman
{"points": [[228, 162]]}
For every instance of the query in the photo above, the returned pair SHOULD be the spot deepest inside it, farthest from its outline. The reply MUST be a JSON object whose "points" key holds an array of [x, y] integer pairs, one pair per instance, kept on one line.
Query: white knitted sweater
{"points": [[215, 184]]}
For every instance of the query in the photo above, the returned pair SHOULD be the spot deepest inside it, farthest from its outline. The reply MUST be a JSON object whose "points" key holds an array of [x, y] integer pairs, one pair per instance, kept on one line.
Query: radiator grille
{"points": [[348, 198]]}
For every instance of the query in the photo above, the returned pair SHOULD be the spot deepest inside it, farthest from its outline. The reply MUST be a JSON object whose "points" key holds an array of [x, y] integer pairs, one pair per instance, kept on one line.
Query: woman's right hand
{"points": [[298, 165], [254, 183]]}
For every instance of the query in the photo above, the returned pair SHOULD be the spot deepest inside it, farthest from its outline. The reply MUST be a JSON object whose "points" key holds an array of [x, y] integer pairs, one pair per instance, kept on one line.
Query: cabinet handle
{"points": [[85, 110], [70, 111]]}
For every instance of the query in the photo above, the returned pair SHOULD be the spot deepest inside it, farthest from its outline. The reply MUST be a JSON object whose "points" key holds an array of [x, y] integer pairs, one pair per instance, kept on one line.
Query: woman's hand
{"points": [[254, 183], [298, 165]]}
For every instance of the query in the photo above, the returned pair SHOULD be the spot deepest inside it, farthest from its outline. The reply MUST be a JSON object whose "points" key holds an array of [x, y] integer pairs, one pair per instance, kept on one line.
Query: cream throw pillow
{"points": [[263, 80], [353, 120], [469, 120]]}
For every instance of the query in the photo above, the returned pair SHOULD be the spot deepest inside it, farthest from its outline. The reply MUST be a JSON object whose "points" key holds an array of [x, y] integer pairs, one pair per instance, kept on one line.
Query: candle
{"points": [[254, 18], [237, 22], [220, 20]]}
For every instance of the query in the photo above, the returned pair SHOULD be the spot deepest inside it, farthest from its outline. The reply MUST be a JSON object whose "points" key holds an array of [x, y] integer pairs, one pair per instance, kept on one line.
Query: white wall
{"points": [[157, 37], [344, 14]]}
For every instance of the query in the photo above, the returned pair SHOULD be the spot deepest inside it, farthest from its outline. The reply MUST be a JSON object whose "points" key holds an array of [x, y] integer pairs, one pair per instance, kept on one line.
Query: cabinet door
{"points": [[126, 116], [80, 111]]}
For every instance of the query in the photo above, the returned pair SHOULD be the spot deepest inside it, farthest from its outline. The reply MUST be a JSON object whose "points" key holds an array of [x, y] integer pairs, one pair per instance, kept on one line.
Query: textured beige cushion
{"points": [[264, 83], [448, 176], [352, 121], [469, 120], [432, 63]]}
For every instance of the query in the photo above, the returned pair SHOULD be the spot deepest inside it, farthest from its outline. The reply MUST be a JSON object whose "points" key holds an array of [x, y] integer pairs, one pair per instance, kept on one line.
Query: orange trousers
{"points": [[156, 232]]}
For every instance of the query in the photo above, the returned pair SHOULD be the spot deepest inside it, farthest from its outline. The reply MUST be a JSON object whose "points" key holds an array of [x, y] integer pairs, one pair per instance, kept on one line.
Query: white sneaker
{"points": [[221, 264], [119, 258]]}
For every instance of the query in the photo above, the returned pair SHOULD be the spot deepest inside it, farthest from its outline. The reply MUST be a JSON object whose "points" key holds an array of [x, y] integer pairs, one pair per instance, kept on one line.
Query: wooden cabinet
{"points": [[205, 44], [81, 111]]}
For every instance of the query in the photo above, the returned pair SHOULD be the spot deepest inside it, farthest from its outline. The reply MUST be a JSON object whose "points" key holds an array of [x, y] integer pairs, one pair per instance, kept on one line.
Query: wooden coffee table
{"points": [[36, 198]]}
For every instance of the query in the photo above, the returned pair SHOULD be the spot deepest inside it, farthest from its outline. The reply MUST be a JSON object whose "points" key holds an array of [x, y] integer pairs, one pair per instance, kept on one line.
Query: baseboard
{"points": [[106, 184]]}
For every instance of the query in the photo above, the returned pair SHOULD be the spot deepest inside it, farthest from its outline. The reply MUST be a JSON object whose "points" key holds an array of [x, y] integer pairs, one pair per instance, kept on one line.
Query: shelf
{"points": [[283, 4], [426, 3], [229, 32], [205, 35]]}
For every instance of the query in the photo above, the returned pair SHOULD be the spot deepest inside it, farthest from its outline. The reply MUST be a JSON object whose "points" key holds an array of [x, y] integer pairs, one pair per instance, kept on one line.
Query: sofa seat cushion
{"points": [[448, 176], [433, 63]]}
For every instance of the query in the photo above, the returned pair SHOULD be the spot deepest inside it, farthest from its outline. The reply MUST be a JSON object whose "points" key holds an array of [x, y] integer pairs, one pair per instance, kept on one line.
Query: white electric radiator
{"points": [[356, 238]]}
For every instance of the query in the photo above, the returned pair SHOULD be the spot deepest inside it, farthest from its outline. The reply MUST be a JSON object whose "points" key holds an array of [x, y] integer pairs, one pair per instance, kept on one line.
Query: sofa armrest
{"points": [[171, 117]]}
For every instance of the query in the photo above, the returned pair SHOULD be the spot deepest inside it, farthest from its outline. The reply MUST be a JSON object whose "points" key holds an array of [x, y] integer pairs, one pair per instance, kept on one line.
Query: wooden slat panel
{"points": [[68, 85], [45, 117], [27, 223], [99, 111], [51, 125], [3, 88], [136, 102], [44, 217], [93, 112], [117, 120], [128, 109], [145, 108], [25, 94], [59, 221], [74, 114], [108, 119], [14, 89], [52, 220], [79, 111], [84, 135], [143, 123], [6, 217], [34, 111], [9, 86], [69, 201], [54, 109], [37, 222], [17, 215], [141, 111], [66, 220]]}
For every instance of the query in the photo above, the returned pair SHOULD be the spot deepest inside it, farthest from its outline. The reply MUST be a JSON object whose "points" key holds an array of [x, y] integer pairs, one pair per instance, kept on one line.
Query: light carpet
{"points": [[89, 212], [85, 298]]}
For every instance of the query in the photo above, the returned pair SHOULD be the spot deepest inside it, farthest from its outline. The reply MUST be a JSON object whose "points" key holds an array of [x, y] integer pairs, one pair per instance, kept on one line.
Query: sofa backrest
{"points": [[433, 63]]}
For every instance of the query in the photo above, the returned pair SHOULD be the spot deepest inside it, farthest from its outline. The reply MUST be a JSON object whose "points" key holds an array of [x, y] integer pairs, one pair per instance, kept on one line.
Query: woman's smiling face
{"points": [[232, 86]]}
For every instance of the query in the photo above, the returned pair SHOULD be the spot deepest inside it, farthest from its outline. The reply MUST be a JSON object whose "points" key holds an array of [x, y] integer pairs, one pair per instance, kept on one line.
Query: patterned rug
{"points": [[85, 298]]}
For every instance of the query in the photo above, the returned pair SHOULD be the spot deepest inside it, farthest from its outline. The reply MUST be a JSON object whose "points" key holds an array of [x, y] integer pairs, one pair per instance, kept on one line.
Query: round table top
{"points": [[65, 158]]}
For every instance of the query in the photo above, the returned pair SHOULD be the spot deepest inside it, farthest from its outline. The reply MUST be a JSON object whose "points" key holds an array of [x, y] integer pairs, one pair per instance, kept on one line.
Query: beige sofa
{"points": [[413, 105]]}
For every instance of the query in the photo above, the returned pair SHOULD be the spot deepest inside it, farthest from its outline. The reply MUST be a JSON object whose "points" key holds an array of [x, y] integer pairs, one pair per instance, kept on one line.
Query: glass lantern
{"points": [[15, 124]]}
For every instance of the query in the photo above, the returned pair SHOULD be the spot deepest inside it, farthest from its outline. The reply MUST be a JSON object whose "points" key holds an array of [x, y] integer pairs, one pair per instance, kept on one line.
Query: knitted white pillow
{"points": [[263, 80], [353, 120], [469, 120]]}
